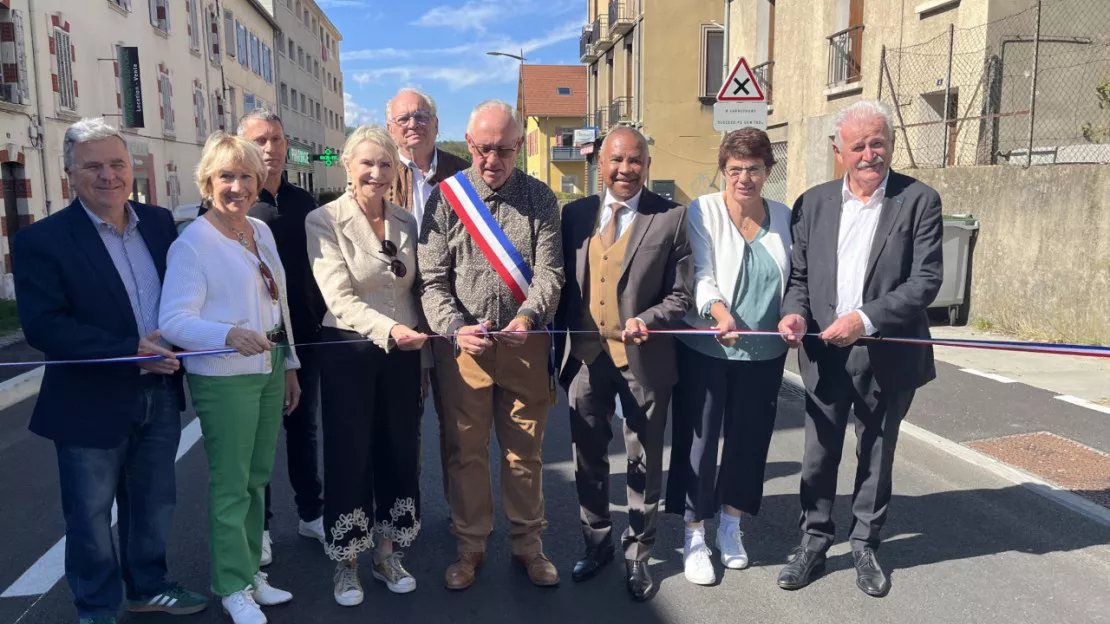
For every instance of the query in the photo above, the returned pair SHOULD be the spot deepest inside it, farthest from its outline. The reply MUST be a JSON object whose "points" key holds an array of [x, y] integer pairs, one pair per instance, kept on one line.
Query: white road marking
{"points": [[1055, 493], [1084, 403], [991, 376], [50, 568]]}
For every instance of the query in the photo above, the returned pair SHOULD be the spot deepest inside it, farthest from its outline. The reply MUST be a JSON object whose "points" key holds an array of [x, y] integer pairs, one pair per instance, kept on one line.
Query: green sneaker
{"points": [[103, 619], [175, 600]]}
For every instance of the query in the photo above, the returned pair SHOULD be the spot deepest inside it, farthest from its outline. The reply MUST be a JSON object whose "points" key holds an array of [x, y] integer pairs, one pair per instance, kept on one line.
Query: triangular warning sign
{"points": [[741, 86]]}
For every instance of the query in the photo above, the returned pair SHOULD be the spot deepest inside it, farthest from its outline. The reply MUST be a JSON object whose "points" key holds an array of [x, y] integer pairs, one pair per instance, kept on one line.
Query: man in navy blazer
{"points": [[88, 281], [866, 261]]}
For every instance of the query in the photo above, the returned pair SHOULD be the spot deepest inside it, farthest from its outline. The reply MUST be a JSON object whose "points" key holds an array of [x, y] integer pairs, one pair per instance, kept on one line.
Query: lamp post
{"points": [[520, 88]]}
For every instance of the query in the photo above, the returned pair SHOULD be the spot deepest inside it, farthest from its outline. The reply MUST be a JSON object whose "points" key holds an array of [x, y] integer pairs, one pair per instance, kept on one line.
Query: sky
{"points": [[439, 47]]}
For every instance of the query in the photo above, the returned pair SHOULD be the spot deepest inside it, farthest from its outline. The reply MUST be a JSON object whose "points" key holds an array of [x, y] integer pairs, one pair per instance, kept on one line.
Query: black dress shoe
{"points": [[869, 575], [640, 584], [802, 567], [596, 558]]}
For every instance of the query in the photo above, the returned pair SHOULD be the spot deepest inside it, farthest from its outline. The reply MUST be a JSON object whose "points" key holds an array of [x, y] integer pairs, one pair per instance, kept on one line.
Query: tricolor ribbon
{"points": [[994, 345]]}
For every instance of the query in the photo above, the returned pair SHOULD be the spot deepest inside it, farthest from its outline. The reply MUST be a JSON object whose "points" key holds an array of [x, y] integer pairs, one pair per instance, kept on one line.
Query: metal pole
{"points": [[726, 48], [947, 95], [882, 64], [1033, 88]]}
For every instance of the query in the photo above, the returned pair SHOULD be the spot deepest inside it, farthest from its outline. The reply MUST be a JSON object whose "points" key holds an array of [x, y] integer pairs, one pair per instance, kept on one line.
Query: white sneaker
{"points": [[267, 550], [267, 595], [733, 555], [242, 608], [394, 575], [699, 566], [348, 589], [313, 529]]}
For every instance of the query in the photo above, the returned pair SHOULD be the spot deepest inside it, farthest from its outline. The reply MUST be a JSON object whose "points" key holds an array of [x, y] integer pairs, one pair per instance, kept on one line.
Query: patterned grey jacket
{"points": [[459, 286]]}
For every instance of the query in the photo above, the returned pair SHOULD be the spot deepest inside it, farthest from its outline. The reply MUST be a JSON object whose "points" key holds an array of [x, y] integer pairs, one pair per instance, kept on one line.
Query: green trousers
{"points": [[240, 417]]}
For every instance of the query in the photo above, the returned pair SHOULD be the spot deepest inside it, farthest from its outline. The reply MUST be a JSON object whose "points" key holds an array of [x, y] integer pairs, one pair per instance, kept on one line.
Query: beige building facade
{"points": [[335, 179], [657, 66], [815, 58]]}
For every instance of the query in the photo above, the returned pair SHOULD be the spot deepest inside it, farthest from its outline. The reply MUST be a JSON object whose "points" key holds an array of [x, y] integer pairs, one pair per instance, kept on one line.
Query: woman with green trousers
{"points": [[225, 287]]}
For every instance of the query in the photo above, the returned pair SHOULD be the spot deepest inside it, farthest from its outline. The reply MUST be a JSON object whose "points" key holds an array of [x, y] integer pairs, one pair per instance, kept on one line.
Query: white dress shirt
{"points": [[858, 222], [624, 220], [421, 189]]}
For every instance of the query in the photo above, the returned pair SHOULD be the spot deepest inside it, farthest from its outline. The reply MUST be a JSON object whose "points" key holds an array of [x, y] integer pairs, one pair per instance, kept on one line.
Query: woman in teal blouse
{"points": [[728, 384]]}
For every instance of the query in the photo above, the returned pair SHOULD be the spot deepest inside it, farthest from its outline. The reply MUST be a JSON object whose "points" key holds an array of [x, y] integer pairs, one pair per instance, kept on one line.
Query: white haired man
{"points": [[866, 261], [502, 382], [88, 283]]}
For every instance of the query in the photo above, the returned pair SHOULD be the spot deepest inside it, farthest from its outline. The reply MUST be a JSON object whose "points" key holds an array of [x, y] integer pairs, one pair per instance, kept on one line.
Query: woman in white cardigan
{"points": [[225, 287], [363, 253], [728, 384]]}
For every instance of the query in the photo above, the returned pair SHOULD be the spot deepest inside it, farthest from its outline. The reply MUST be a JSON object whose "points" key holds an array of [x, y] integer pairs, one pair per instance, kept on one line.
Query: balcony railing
{"points": [[586, 52], [621, 18], [763, 75], [598, 120], [601, 29], [845, 55], [566, 154], [620, 110]]}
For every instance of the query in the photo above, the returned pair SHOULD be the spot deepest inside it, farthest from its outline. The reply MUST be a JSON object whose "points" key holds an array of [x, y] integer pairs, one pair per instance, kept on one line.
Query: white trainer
{"points": [[733, 555], [698, 565], [267, 550], [348, 589], [242, 608], [266, 594], [313, 529]]}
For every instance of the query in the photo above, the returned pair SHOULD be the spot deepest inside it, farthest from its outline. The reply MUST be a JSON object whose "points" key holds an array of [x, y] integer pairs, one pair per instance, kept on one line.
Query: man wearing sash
{"points": [[490, 260], [629, 271]]}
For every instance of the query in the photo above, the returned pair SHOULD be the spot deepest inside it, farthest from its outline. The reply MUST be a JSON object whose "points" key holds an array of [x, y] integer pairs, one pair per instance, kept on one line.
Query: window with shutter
{"points": [[66, 92], [193, 11], [160, 14], [231, 31], [198, 103], [167, 101], [213, 31], [13, 71]]}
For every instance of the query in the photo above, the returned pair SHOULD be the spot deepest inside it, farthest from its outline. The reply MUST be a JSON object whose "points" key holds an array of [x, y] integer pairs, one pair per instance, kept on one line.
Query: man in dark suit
{"points": [[88, 282], [866, 262], [628, 271], [412, 121]]}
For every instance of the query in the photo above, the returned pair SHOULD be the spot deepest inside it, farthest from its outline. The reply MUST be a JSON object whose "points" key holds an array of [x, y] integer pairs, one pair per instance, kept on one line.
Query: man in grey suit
{"points": [[628, 271], [866, 262]]}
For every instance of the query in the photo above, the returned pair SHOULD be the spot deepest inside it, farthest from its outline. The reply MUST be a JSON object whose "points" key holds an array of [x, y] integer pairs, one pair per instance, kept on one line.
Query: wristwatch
{"points": [[527, 320]]}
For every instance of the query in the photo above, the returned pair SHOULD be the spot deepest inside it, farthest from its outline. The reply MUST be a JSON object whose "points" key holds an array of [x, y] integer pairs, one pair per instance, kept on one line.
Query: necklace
{"points": [[240, 235]]}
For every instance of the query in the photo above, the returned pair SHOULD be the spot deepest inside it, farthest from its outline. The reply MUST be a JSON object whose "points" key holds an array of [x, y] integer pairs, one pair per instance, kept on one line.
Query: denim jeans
{"points": [[139, 475]]}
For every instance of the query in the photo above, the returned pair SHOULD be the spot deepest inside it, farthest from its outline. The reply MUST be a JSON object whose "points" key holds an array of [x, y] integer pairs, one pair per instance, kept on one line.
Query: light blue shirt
{"points": [[625, 218], [135, 266]]}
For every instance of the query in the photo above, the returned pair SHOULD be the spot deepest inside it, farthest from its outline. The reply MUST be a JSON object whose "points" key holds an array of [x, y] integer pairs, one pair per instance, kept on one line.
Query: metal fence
{"points": [[1029, 88]]}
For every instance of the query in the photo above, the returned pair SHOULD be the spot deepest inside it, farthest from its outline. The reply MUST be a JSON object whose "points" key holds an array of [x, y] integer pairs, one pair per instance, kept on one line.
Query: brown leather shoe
{"points": [[460, 574], [540, 569]]}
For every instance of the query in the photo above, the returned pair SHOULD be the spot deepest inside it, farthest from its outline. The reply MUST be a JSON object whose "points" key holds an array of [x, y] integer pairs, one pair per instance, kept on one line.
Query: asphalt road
{"points": [[962, 544]]}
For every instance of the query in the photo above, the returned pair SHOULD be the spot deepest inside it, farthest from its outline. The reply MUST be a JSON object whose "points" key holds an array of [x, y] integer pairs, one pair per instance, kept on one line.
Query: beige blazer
{"points": [[361, 293]]}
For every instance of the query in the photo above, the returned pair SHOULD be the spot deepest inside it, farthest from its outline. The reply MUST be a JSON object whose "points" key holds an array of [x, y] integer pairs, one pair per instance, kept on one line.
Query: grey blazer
{"points": [[655, 283], [904, 273]]}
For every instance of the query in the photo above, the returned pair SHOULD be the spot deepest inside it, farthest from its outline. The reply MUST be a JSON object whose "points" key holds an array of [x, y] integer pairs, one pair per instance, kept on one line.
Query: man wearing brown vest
{"points": [[628, 272]]}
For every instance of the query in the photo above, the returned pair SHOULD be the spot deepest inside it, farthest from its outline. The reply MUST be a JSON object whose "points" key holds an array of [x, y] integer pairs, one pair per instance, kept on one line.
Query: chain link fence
{"points": [[1032, 87]]}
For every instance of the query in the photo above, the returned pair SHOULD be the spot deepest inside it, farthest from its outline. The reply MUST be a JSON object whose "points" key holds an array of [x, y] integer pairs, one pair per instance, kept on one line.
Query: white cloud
{"points": [[354, 114], [374, 54], [478, 15]]}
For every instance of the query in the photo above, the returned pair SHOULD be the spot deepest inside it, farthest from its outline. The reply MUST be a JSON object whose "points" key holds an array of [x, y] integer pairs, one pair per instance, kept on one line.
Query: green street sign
{"points": [[298, 156], [329, 158]]}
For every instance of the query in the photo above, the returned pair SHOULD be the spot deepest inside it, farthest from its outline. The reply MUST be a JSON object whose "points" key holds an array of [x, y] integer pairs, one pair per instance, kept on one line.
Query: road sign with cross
{"points": [[741, 85]]}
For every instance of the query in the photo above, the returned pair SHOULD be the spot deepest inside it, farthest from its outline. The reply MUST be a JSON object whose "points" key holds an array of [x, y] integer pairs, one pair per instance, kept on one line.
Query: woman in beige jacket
{"points": [[363, 253]]}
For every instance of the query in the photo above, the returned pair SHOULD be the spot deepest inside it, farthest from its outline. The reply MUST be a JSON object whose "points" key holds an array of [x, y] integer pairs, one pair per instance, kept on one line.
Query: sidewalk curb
{"points": [[21, 388], [1054, 493]]}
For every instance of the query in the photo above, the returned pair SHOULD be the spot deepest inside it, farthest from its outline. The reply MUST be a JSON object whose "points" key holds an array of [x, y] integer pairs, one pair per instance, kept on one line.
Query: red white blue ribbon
{"points": [[491, 239], [996, 345]]}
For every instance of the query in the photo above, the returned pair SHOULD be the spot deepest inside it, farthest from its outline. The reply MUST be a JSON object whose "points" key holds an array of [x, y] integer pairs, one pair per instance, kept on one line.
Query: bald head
{"points": [[625, 162], [493, 136]]}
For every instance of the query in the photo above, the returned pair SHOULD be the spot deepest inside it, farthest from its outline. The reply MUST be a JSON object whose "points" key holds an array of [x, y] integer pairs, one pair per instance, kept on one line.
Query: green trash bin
{"points": [[960, 231]]}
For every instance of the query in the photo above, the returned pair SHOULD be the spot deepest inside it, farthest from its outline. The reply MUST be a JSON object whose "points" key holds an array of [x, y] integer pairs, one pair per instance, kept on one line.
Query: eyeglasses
{"points": [[485, 150], [753, 172], [395, 265], [268, 277], [421, 117]]}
